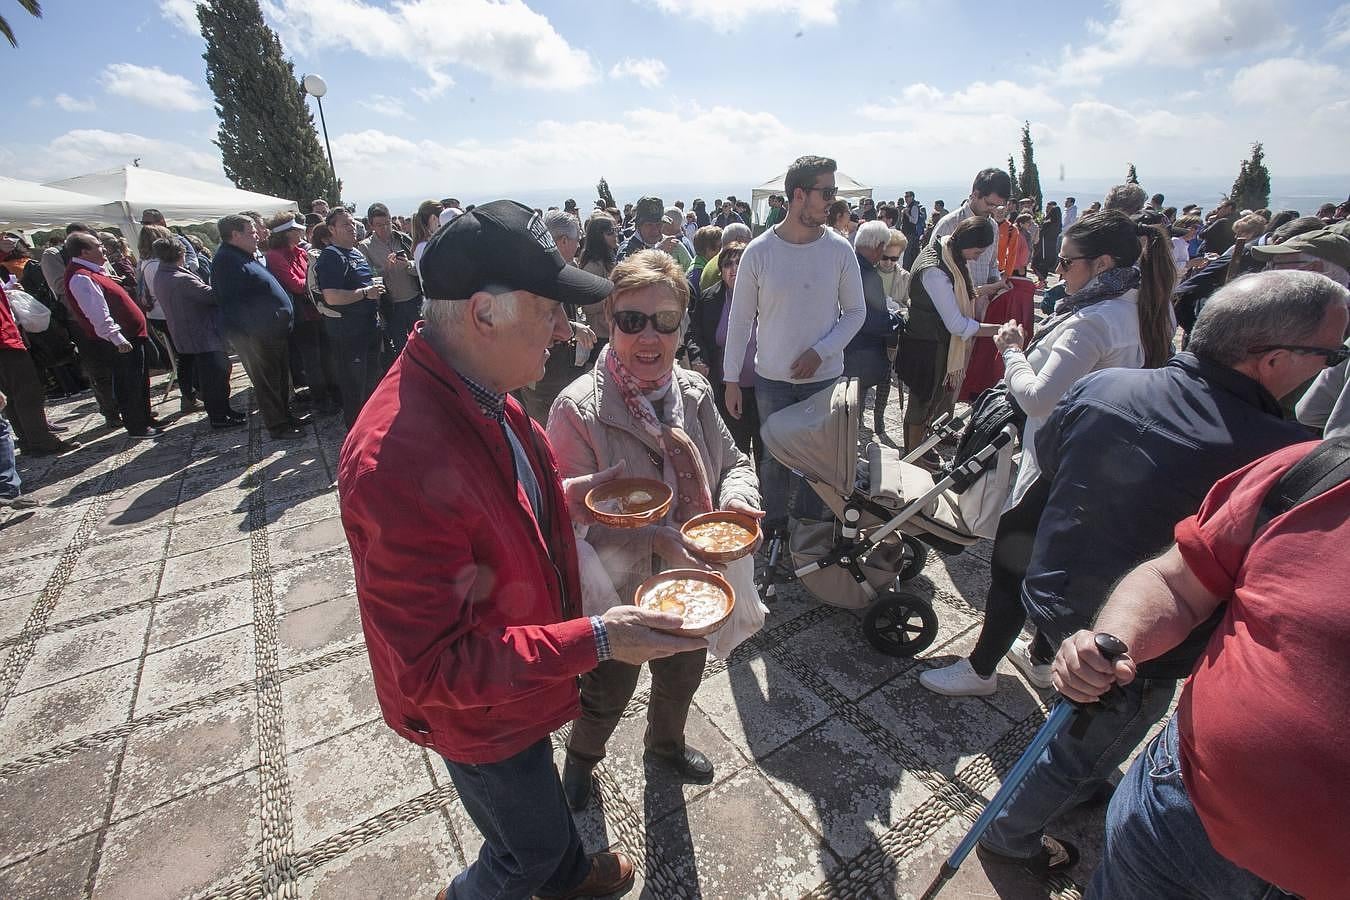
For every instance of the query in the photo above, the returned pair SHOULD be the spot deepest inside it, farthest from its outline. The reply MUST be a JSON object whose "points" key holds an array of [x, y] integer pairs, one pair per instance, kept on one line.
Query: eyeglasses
{"points": [[1333, 356], [1066, 261], [630, 321], [890, 258], [829, 193]]}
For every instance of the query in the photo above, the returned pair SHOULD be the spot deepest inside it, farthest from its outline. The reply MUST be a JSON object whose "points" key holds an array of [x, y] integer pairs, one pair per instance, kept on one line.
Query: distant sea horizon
{"points": [[1299, 192]]}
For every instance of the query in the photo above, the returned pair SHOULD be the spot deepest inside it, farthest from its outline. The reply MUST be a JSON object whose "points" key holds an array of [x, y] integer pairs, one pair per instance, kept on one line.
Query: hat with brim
{"points": [[503, 245], [288, 225], [1329, 244], [648, 210]]}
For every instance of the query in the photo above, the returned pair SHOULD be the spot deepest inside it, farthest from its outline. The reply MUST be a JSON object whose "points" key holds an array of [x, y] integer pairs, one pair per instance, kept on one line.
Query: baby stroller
{"points": [[888, 511]]}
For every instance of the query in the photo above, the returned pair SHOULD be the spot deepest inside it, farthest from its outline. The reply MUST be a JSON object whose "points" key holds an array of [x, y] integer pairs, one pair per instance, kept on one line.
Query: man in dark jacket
{"points": [[466, 565], [256, 313], [1126, 455]]}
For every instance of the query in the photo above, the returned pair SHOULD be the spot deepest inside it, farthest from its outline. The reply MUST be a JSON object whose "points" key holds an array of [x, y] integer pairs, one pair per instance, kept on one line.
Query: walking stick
{"points": [[1109, 646]]}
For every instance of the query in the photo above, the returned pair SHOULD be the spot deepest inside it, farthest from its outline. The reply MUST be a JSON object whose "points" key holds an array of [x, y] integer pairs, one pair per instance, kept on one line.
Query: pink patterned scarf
{"points": [[683, 463]]}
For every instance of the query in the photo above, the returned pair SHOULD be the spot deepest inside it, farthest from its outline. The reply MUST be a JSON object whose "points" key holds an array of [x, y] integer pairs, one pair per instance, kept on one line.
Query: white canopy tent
{"points": [[26, 205], [184, 201], [759, 197]]}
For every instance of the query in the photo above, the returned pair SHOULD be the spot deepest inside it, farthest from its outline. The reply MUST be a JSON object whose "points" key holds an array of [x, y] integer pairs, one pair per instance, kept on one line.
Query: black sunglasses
{"points": [[630, 321], [1334, 356], [891, 258], [1066, 261], [829, 193]]}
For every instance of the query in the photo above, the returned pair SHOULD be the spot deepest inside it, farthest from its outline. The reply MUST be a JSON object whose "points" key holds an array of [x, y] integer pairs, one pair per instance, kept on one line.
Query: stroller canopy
{"points": [[818, 437]]}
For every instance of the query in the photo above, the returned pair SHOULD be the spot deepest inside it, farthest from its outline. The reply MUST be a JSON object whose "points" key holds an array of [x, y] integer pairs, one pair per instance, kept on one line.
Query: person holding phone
{"points": [[389, 253]]}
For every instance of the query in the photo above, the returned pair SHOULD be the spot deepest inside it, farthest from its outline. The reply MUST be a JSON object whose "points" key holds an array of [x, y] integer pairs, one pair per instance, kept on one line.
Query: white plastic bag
{"points": [[747, 617], [31, 315], [597, 588]]}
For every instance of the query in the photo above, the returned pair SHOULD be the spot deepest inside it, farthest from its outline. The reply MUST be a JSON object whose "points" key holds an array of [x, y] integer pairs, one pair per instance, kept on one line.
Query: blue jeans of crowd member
{"points": [[10, 483], [530, 843], [355, 341], [402, 316], [776, 482], [1156, 845], [1072, 768]]}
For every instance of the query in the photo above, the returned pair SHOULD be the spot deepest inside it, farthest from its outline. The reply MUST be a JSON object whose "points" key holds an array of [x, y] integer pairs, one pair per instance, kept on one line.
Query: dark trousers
{"points": [[184, 364], [606, 690], [530, 843], [266, 361], [212, 371], [1004, 614], [19, 381], [98, 370], [399, 320], [745, 430], [131, 382], [355, 339], [308, 343]]}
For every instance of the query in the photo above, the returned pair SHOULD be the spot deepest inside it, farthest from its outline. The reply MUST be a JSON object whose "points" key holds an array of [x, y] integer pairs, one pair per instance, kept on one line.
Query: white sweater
{"points": [[805, 296]]}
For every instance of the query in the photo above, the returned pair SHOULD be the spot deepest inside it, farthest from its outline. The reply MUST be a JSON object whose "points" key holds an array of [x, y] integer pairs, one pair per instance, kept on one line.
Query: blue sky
{"points": [[498, 95]]}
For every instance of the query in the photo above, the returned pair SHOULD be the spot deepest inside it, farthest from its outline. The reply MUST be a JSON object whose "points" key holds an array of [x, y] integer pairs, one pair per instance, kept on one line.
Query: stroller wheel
{"points": [[900, 625], [916, 555]]}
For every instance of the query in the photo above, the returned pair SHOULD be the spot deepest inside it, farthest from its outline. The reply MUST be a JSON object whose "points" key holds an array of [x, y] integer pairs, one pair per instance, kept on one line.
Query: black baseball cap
{"points": [[503, 243]]}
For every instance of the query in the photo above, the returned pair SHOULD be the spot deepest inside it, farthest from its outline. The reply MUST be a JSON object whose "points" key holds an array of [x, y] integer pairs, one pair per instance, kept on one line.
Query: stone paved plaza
{"points": [[186, 710]]}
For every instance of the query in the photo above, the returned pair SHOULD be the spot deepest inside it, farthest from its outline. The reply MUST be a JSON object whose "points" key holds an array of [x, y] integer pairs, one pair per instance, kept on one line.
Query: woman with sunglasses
{"points": [[599, 247], [709, 321], [636, 406], [1117, 313]]}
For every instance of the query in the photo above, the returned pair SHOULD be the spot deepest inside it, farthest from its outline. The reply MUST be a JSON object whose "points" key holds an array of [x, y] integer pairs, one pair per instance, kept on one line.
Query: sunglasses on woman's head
{"points": [[630, 321]]}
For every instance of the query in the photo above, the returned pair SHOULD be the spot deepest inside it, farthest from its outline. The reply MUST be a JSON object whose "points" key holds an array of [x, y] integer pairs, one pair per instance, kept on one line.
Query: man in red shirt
{"points": [[466, 568], [1246, 788]]}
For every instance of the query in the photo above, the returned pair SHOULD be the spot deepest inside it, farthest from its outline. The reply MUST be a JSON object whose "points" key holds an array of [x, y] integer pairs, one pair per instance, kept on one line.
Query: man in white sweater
{"points": [[799, 283]]}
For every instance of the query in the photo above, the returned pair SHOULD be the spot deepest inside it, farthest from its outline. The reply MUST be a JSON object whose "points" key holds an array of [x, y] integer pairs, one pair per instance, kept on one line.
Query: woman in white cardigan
{"points": [[1115, 315]]}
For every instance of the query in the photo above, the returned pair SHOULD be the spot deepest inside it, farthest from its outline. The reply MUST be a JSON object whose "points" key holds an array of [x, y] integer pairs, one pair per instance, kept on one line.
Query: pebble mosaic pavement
{"points": [[186, 710]]}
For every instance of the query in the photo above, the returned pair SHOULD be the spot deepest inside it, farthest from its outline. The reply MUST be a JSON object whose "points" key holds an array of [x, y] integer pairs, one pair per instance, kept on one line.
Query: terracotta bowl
{"points": [[634, 515], [695, 575], [749, 523]]}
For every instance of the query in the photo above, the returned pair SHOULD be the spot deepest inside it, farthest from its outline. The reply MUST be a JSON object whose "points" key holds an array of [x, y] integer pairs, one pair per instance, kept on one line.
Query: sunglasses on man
{"points": [[630, 321]]}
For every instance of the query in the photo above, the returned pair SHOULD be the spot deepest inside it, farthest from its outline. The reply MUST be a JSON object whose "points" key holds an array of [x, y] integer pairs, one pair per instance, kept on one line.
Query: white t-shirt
{"points": [[804, 296], [1181, 254]]}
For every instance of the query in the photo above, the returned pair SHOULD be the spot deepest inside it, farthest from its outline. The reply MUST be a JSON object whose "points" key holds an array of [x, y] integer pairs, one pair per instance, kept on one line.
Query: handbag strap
{"points": [[1327, 466]]}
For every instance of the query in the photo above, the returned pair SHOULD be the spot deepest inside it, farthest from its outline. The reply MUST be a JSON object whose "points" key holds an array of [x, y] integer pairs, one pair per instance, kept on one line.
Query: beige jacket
{"points": [[590, 429]]}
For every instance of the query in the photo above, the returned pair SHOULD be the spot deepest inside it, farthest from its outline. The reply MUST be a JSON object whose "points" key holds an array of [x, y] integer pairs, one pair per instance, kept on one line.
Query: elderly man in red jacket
{"points": [[466, 568]]}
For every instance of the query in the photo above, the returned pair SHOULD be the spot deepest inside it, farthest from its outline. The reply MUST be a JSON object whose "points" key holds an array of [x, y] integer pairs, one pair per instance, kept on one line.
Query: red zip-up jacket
{"points": [[470, 605]]}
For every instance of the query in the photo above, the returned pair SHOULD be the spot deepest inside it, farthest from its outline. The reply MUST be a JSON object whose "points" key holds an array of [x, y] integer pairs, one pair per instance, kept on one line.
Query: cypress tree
{"points": [[1012, 175], [1131, 177], [1031, 176], [1251, 189], [267, 139]]}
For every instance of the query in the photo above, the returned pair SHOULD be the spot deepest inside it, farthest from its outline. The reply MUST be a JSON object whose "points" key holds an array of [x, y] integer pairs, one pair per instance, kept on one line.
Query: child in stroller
{"points": [[889, 511]]}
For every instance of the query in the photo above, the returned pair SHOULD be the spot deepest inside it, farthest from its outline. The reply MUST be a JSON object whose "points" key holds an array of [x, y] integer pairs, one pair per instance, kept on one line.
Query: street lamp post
{"points": [[316, 87]]}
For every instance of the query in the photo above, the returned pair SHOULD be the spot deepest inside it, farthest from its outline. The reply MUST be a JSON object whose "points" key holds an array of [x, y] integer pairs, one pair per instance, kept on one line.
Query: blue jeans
{"points": [[775, 481], [401, 318], [355, 340], [10, 483], [1072, 768], [530, 843], [1156, 845]]}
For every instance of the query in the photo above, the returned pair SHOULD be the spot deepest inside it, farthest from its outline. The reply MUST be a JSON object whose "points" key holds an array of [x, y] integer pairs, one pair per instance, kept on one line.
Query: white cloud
{"points": [[1338, 27], [725, 17], [650, 73], [152, 86], [384, 105], [503, 39], [91, 149], [71, 104], [1182, 33], [981, 98], [182, 13], [1287, 83]]}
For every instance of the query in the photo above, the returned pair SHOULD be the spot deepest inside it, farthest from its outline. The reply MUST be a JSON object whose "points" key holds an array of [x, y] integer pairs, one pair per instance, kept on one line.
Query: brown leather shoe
{"points": [[610, 873], [441, 894]]}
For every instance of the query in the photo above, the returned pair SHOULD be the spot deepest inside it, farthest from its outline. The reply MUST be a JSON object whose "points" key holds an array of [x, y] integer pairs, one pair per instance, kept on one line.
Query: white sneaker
{"points": [[958, 680], [1039, 674]]}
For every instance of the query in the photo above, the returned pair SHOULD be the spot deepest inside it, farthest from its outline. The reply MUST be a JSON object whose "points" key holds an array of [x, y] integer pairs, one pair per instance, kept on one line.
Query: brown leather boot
{"points": [[610, 873]]}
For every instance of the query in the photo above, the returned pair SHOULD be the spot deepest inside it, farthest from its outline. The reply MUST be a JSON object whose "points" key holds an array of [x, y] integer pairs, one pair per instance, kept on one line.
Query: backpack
{"points": [[1326, 467]]}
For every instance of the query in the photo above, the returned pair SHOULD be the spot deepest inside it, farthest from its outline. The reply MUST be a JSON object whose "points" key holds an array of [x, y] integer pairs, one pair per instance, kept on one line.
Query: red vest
{"points": [[123, 309]]}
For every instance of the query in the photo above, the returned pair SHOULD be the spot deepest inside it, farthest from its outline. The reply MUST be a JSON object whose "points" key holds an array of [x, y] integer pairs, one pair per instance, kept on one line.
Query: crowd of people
{"points": [[493, 363]]}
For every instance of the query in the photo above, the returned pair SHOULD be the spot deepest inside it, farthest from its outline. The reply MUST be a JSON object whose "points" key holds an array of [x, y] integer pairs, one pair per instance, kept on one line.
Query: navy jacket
{"points": [[879, 325], [251, 301], [1127, 454]]}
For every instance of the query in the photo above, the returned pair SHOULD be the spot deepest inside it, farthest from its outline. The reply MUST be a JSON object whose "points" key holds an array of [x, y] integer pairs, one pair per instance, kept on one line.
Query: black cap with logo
{"points": [[503, 243]]}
